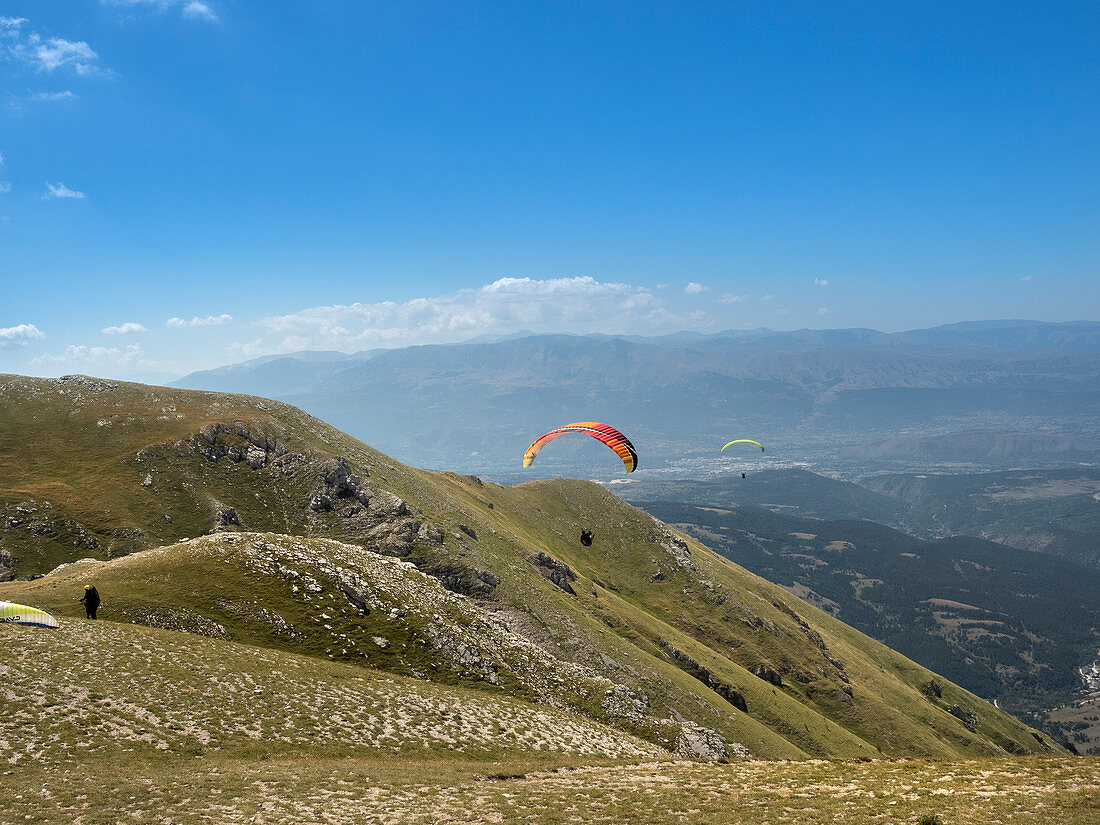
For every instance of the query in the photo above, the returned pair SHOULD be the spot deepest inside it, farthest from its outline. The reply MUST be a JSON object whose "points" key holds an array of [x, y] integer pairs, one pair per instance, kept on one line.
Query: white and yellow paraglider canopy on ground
{"points": [[21, 614]]}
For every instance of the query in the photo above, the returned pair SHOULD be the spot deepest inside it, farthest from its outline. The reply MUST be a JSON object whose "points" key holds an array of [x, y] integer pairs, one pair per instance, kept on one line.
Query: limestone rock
{"points": [[768, 675], [697, 742], [430, 534], [967, 717], [556, 571]]}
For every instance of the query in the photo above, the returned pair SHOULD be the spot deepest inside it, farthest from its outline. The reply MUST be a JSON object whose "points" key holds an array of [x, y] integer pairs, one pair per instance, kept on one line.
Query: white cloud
{"points": [[663, 286], [208, 321], [578, 305], [193, 9], [1025, 278], [78, 355], [50, 54], [123, 329], [823, 311], [782, 312], [730, 298], [19, 336], [767, 297], [821, 282], [199, 11], [5, 187], [60, 190], [249, 349], [47, 54], [694, 289], [53, 96], [57, 52]]}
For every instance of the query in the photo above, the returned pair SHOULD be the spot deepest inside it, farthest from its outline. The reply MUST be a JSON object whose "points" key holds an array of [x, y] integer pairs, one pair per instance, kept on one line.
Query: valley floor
{"points": [[221, 789]]}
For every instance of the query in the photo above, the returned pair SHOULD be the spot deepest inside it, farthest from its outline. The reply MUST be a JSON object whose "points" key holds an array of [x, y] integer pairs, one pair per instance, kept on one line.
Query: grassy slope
{"points": [[1023, 623], [110, 681], [649, 611]]}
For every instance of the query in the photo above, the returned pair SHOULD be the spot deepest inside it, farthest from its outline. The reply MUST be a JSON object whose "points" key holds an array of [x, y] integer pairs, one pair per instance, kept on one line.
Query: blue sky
{"points": [[188, 183]]}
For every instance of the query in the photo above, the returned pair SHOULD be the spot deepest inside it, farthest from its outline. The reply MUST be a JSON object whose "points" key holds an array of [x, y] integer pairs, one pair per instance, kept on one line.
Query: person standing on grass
{"points": [[90, 600]]}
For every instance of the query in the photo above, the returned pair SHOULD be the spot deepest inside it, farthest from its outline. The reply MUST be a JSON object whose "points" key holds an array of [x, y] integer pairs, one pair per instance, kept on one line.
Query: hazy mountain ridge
{"points": [[807, 392], [684, 643], [1054, 512]]}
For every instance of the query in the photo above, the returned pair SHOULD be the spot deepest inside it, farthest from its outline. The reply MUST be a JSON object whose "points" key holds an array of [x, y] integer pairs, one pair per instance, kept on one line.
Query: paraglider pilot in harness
{"points": [[90, 600], [586, 537]]}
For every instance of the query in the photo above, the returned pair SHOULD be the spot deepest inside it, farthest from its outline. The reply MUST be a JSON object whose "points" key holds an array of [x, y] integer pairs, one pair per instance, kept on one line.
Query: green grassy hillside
{"points": [[645, 630], [1007, 623]]}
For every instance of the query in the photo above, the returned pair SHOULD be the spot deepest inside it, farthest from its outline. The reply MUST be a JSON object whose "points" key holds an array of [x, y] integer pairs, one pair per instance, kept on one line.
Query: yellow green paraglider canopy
{"points": [[744, 441]]}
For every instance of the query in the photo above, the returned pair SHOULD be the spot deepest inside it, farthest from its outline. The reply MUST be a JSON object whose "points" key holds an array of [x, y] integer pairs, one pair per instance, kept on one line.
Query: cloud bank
{"points": [[208, 321], [730, 298], [191, 9], [579, 304], [80, 356], [44, 54], [123, 329]]}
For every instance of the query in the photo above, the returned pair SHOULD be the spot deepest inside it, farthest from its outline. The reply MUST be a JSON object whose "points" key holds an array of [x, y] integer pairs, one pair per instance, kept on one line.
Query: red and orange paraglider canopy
{"points": [[601, 432]]}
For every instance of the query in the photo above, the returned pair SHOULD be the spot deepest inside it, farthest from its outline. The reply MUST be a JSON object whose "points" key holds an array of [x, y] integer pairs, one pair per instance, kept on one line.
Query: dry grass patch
{"points": [[359, 790]]}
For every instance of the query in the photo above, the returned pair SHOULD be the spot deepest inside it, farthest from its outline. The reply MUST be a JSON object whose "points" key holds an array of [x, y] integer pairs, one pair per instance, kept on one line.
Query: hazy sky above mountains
{"points": [[187, 183]]}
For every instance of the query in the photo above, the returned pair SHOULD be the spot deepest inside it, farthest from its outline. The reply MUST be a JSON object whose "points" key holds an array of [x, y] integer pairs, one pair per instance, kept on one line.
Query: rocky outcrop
{"points": [[558, 572], [43, 521], [824, 690], [675, 546], [384, 504], [727, 692], [237, 442], [819, 643], [7, 564], [182, 619], [289, 463], [83, 382], [967, 717], [697, 742], [335, 481], [768, 675], [356, 590], [394, 538], [430, 534], [622, 703], [458, 578]]}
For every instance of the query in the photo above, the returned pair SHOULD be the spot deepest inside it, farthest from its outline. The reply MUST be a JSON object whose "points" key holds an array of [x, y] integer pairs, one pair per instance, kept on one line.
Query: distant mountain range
{"points": [[851, 398], [1053, 512]]}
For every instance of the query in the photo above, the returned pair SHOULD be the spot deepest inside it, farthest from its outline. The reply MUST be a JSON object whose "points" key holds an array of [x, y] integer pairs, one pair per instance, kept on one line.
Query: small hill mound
{"points": [[142, 690]]}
